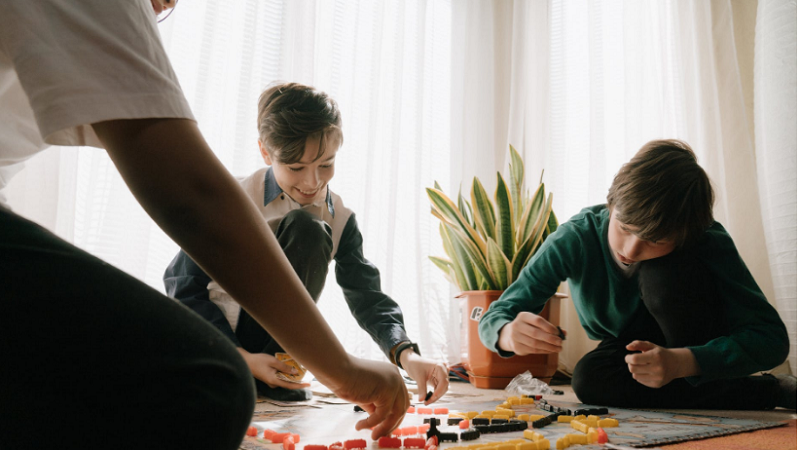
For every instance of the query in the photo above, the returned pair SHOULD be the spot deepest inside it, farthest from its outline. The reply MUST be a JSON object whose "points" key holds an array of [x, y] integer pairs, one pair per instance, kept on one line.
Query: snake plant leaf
{"points": [[437, 186], [463, 243], [483, 209], [449, 211], [464, 209], [552, 222], [528, 219], [461, 259], [532, 241], [500, 265], [538, 232], [505, 218], [447, 267], [517, 171]]}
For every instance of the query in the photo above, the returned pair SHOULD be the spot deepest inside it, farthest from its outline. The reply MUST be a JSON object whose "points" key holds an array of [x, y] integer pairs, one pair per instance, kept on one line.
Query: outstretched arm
{"points": [[183, 186]]}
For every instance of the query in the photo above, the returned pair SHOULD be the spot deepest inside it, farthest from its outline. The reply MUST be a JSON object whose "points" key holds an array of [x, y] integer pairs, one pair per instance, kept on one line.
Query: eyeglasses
{"points": [[163, 16]]}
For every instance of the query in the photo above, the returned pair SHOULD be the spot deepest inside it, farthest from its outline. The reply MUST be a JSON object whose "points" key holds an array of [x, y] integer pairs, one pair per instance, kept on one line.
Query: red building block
{"points": [[414, 443], [268, 433], [315, 447], [355, 443], [424, 411], [336, 446], [602, 437], [389, 442], [252, 431], [288, 442], [464, 424], [441, 411], [278, 437]]}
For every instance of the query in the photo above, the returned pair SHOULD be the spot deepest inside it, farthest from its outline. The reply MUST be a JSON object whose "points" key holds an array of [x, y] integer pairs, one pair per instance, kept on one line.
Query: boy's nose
{"points": [[633, 248]]}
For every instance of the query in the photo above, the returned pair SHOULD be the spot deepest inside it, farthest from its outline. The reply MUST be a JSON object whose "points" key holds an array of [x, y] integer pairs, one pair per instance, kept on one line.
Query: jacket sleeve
{"points": [[375, 312], [186, 282], [757, 338]]}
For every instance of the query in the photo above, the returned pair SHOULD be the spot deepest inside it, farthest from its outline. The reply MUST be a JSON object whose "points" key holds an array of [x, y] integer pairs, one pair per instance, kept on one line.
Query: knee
{"points": [[585, 383], [301, 223]]}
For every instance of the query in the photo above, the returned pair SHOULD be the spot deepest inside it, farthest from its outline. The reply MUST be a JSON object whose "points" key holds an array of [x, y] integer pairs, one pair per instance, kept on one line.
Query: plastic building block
{"points": [[288, 443], [432, 433], [482, 428], [454, 420], [432, 419], [565, 419], [409, 431], [591, 434], [336, 446], [470, 435], [278, 437], [541, 423], [397, 432], [518, 425], [505, 412], [441, 411], [608, 423], [355, 443], [252, 431], [414, 443], [411, 410], [268, 433], [488, 413], [357, 408], [602, 437], [480, 421], [433, 441], [526, 401], [464, 424], [315, 447], [448, 437], [499, 420], [428, 395], [424, 411], [423, 428], [472, 414], [505, 446], [524, 417], [532, 435], [580, 426], [388, 442]]}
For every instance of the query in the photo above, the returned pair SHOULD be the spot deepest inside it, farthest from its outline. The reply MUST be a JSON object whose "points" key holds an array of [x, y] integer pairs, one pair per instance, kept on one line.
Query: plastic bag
{"points": [[524, 383]]}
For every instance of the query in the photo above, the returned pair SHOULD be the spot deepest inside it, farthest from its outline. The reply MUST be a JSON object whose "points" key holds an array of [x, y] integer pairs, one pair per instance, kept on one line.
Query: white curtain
{"points": [[386, 64], [579, 86], [776, 150]]}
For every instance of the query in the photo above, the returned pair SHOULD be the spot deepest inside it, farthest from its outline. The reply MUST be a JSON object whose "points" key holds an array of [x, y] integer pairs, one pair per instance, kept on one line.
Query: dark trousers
{"points": [[308, 244], [91, 358], [682, 309]]}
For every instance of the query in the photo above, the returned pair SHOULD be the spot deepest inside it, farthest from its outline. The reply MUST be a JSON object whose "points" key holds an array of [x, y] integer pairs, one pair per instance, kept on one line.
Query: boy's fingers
{"points": [[640, 346], [440, 381], [383, 419]]}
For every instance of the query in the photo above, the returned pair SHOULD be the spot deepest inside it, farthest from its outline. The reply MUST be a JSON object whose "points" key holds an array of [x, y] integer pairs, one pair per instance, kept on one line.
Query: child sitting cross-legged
{"points": [[680, 319], [299, 135]]}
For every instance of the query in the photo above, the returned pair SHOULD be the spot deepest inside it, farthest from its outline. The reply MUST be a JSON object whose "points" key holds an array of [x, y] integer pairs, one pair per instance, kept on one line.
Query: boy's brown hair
{"points": [[663, 193], [290, 113]]}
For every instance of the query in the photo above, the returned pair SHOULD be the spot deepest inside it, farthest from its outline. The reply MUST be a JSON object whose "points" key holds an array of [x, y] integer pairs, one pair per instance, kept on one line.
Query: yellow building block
{"points": [[591, 435], [504, 405], [504, 446], [565, 419], [579, 417], [523, 417], [532, 435], [534, 417], [544, 444], [488, 413], [515, 441], [528, 446], [483, 416], [509, 399], [592, 417], [561, 444], [590, 422], [505, 411], [526, 401], [608, 423], [458, 415], [501, 416], [471, 414], [580, 426], [513, 401]]}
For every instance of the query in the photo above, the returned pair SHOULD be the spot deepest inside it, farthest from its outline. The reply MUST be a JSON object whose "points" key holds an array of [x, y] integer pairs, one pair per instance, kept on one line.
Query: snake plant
{"points": [[487, 244]]}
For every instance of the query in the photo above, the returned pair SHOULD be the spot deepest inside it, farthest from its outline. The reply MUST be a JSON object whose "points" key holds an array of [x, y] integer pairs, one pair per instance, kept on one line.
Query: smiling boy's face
{"points": [[306, 181], [628, 248]]}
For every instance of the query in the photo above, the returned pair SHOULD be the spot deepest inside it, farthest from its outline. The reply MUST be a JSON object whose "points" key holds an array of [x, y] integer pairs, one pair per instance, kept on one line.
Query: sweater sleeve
{"points": [[186, 282], [537, 282], [758, 339], [375, 312]]}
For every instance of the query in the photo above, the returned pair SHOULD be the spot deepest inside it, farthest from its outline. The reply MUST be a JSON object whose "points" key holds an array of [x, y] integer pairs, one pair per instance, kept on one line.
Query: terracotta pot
{"points": [[486, 369]]}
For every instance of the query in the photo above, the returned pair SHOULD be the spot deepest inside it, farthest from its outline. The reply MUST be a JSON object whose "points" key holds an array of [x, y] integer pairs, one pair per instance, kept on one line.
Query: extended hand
{"points": [[378, 388], [426, 373], [529, 333], [656, 366], [266, 367]]}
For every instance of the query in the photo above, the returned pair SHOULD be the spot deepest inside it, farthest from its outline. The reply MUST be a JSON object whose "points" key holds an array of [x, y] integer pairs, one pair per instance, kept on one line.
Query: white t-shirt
{"points": [[65, 65]]}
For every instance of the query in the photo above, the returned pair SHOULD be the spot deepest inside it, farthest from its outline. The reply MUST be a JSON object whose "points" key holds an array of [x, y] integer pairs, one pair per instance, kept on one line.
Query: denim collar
{"points": [[272, 191]]}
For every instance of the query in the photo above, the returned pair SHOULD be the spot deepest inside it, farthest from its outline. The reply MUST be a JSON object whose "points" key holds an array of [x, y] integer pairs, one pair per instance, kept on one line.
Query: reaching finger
{"points": [[441, 383], [640, 346]]}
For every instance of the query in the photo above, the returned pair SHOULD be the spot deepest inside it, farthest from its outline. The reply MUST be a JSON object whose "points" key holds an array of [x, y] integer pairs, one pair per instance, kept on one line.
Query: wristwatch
{"points": [[400, 349]]}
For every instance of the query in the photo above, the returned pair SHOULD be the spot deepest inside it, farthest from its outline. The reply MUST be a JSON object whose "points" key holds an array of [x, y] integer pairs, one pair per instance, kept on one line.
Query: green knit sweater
{"points": [[606, 300]]}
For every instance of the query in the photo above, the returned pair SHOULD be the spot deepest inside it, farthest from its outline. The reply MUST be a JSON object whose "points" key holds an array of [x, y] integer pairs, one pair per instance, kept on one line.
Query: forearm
{"points": [[186, 190], [685, 364]]}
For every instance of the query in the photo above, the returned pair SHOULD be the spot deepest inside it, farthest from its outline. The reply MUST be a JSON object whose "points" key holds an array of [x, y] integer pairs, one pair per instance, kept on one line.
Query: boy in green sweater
{"points": [[682, 322]]}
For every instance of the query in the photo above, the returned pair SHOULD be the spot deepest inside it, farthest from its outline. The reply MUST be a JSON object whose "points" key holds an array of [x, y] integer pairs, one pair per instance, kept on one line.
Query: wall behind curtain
{"points": [[386, 65], [579, 86]]}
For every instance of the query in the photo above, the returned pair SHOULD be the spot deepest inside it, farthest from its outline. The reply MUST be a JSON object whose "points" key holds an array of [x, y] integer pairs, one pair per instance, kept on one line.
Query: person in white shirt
{"points": [[300, 133], [91, 357]]}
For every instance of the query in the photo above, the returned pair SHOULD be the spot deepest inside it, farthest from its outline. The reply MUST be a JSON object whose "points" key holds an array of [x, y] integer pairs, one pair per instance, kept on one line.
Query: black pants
{"points": [[91, 358], [308, 244], [682, 309]]}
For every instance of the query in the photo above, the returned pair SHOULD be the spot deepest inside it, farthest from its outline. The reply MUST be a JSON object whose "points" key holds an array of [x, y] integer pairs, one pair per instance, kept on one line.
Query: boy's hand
{"points": [[656, 366], [529, 333], [426, 373], [266, 367]]}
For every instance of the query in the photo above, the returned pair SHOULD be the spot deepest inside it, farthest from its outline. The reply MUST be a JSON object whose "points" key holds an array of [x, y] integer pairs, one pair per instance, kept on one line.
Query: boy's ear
{"points": [[264, 153]]}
